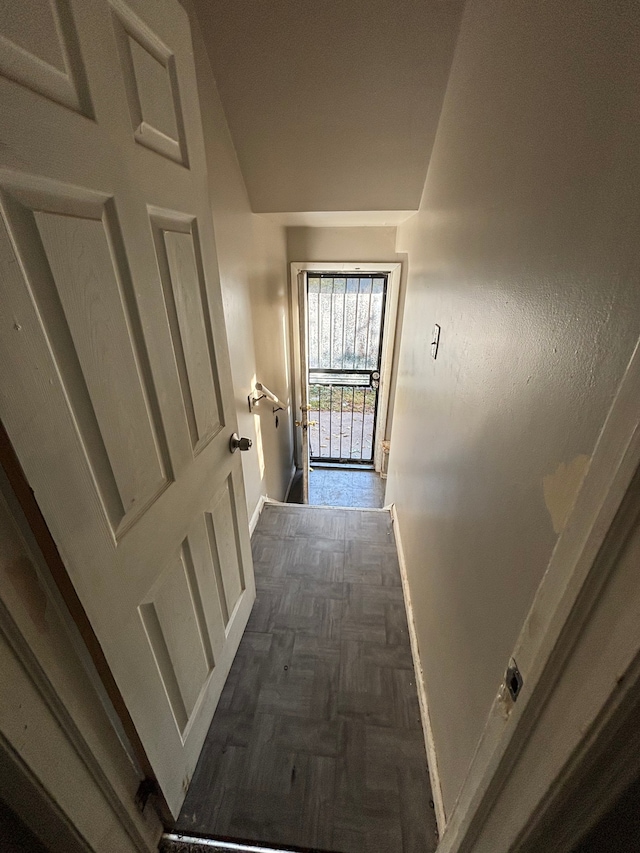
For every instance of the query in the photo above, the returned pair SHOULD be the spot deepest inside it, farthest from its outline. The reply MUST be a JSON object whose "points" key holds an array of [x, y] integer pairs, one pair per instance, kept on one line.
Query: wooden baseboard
{"points": [[256, 514], [291, 479], [432, 759]]}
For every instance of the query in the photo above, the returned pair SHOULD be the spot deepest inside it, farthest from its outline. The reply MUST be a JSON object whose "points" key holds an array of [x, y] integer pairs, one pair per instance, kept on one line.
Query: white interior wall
{"points": [[253, 273], [355, 243], [525, 252], [594, 705], [271, 331]]}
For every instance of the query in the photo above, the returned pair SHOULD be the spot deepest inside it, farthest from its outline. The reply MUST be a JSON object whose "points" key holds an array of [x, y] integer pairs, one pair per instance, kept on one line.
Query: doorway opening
{"points": [[343, 356], [345, 316]]}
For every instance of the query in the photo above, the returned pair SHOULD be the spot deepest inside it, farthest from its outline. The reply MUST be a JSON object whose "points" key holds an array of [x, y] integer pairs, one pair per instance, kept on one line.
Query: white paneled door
{"points": [[115, 385]]}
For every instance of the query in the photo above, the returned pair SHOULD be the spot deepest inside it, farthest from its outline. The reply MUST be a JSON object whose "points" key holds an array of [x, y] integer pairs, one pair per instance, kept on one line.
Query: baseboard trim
{"points": [[291, 479], [256, 514], [432, 758]]}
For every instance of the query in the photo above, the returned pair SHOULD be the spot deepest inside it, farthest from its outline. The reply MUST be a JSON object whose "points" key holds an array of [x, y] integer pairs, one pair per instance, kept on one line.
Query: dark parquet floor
{"points": [[317, 741]]}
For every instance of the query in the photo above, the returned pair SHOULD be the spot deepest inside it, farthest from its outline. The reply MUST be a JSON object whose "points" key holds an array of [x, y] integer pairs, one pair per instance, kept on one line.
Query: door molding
{"points": [[394, 272], [25, 498], [53, 705], [84, 736]]}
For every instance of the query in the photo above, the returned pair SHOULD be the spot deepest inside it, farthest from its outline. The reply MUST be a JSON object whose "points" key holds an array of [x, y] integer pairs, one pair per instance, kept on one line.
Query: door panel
{"points": [[222, 522], [93, 313], [116, 388], [149, 73], [178, 635], [39, 48], [185, 295]]}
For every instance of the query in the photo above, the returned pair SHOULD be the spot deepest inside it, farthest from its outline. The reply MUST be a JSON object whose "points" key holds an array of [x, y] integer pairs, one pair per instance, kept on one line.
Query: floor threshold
{"points": [[343, 466], [330, 506], [178, 842]]}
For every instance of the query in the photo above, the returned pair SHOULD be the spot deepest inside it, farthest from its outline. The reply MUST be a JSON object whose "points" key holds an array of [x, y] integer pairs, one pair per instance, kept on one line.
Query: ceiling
{"points": [[333, 104]]}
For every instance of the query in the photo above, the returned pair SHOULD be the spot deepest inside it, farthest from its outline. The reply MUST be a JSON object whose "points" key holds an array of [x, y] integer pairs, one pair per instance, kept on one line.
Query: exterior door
{"points": [[303, 423], [115, 387], [344, 345]]}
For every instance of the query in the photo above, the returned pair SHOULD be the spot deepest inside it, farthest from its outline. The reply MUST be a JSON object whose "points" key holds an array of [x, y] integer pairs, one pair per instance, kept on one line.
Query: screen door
{"points": [[345, 316]]}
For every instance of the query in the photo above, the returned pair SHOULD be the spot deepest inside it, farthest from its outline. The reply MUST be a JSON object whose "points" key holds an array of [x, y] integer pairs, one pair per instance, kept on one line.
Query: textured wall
{"points": [[253, 272], [526, 252]]}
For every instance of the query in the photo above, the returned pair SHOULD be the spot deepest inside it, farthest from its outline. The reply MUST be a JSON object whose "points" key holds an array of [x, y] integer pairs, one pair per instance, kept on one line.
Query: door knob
{"points": [[237, 443]]}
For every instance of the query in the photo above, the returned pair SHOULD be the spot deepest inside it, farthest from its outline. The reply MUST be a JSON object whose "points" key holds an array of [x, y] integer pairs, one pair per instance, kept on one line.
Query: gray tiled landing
{"points": [[346, 487], [316, 742]]}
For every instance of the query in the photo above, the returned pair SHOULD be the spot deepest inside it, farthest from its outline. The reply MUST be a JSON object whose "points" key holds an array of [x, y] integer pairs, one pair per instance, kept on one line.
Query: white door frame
{"points": [[70, 810], [394, 272], [303, 354]]}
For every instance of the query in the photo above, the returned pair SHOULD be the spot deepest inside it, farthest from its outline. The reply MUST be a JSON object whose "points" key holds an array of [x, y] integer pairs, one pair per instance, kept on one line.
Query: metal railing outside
{"points": [[345, 321]]}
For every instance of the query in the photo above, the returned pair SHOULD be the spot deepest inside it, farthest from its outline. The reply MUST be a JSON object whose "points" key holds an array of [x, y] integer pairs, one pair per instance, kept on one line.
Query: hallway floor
{"points": [[317, 741], [346, 487], [340, 487]]}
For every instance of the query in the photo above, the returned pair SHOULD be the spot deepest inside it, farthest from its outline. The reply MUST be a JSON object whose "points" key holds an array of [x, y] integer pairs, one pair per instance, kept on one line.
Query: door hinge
{"points": [[147, 788]]}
